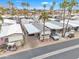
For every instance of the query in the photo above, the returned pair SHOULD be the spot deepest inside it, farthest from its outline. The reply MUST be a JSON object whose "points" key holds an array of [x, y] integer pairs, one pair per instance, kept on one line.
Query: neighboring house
{"points": [[9, 22], [6, 16], [12, 33], [27, 21]]}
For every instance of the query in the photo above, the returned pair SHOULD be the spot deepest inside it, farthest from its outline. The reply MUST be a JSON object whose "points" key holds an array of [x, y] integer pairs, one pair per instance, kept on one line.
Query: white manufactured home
{"points": [[8, 22], [12, 33]]}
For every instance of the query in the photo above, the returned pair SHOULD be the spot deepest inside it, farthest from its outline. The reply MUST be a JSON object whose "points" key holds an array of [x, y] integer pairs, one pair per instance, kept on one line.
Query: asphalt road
{"points": [[43, 50], [73, 54]]}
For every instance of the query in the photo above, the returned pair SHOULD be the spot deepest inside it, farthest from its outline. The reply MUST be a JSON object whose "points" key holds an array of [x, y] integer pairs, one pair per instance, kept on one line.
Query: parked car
{"points": [[69, 34], [55, 36]]}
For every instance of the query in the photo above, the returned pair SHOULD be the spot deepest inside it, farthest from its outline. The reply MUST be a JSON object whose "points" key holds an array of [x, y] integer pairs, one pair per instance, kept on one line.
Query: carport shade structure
{"points": [[72, 23], [53, 26], [59, 24], [76, 22], [31, 29]]}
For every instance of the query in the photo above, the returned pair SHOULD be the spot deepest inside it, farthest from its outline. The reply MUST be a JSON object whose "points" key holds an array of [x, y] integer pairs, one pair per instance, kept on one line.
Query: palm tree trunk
{"points": [[53, 13], [44, 26], [24, 35], [12, 10], [63, 32], [69, 13], [43, 29], [19, 20], [27, 11], [0, 28]]}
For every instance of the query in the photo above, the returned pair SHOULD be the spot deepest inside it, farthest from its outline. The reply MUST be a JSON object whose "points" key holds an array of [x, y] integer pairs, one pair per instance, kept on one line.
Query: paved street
{"points": [[67, 54], [73, 54]]}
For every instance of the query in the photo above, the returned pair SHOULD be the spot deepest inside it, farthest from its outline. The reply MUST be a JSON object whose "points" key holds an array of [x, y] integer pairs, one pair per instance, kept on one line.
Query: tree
{"points": [[44, 17], [70, 6], [22, 27], [33, 13], [52, 7], [1, 21], [27, 5], [24, 4], [44, 4], [2, 9], [64, 5], [11, 6]]}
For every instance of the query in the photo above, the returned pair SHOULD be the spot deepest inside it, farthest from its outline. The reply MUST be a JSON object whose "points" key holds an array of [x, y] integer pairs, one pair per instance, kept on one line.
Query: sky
{"points": [[33, 3]]}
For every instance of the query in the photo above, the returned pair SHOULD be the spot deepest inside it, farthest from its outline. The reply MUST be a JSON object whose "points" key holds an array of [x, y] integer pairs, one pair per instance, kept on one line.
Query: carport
{"points": [[32, 30]]}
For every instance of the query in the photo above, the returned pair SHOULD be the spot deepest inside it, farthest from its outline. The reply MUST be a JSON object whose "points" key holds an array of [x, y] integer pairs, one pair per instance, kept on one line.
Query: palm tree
{"points": [[1, 21], [63, 5], [44, 17], [22, 27], [2, 9], [27, 5], [11, 6], [71, 4], [52, 7], [34, 12], [24, 4]]}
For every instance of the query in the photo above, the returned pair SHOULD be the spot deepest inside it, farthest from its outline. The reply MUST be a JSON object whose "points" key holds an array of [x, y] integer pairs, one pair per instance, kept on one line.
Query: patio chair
{"points": [[70, 34]]}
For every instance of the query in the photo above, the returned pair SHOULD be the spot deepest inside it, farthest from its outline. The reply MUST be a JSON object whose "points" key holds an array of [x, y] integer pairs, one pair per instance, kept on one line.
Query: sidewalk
{"points": [[34, 43]]}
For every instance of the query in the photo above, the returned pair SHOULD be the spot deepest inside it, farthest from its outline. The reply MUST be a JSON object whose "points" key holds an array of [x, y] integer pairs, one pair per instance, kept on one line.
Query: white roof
{"points": [[27, 20], [11, 29], [59, 24], [73, 23], [75, 17], [6, 16], [31, 29], [52, 26], [76, 22], [9, 21], [52, 19], [21, 16]]}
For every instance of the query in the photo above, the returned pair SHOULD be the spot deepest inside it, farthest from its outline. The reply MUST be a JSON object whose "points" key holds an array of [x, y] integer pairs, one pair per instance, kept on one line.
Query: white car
{"points": [[55, 36]]}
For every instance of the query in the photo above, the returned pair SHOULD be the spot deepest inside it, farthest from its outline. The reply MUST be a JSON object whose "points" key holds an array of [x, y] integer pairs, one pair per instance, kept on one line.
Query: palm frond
{"points": [[44, 16]]}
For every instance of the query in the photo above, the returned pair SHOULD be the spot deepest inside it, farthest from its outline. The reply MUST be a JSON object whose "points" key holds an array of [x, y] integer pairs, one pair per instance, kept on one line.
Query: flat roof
{"points": [[73, 23], [52, 26], [10, 29], [9, 21], [27, 20], [52, 19], [59, 24], [31, 29], [39, 26]]}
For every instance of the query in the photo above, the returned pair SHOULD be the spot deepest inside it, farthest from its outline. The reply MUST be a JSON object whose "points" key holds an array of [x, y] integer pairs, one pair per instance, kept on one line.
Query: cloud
{"points": [[18, 1], [44, 2]]}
